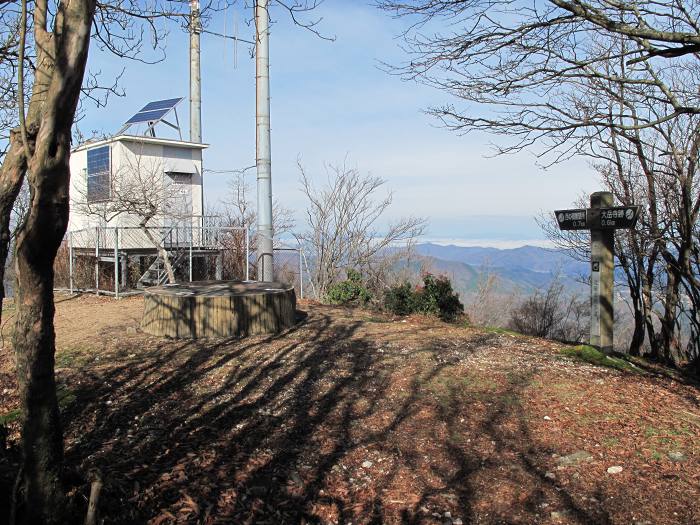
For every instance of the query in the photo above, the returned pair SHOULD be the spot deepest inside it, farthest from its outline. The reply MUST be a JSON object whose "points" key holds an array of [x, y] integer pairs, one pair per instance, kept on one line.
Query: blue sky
{"points": [[330, 100]]}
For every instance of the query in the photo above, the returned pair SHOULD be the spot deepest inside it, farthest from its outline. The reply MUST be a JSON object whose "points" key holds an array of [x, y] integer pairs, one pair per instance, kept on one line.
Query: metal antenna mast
{"points": [[195, 74], [263, 156], [196, 83]]}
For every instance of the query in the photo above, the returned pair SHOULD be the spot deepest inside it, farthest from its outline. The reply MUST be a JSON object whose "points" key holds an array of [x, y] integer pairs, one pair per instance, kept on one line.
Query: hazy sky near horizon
{"points": [[332, 103]]}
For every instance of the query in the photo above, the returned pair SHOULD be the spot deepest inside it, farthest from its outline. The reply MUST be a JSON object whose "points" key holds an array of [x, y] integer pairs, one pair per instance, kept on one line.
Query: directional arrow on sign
{"points": [[572, 219], [623, 217]]}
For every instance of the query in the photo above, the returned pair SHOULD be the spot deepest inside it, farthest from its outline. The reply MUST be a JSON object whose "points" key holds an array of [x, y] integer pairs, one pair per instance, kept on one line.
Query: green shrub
{"points": [[350, 291], [435, 297], [401, 299], [438, 298]]}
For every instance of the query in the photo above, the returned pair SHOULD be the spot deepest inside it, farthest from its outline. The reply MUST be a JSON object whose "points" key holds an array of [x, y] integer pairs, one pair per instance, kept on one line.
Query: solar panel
{"points": [[147, 116], [161, 104], [154, 111]]}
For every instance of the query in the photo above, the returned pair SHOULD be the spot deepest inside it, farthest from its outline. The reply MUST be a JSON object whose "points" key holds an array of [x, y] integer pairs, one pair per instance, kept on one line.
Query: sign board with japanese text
{"points": [[601, 219], [572, 219], [617, 217]]}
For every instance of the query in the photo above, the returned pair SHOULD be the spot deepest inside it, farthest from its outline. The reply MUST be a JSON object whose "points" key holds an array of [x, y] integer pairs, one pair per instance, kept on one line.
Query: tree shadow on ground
{"points": [[335, 420]]}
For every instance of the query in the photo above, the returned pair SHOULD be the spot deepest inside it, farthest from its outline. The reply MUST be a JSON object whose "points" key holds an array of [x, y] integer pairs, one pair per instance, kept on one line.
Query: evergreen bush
{"points": [[438, 298], [401, 299], [435, 297], [350, 291]]}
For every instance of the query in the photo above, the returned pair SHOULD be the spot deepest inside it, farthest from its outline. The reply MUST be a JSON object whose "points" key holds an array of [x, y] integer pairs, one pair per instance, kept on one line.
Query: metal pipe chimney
{"points": [[263, 158]]}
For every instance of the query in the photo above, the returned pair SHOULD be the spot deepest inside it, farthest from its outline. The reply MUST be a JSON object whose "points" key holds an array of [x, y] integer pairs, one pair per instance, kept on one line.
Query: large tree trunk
{"points": [[38, 239], [647, 280], [635, 282], [669, 342], [42, 438]]}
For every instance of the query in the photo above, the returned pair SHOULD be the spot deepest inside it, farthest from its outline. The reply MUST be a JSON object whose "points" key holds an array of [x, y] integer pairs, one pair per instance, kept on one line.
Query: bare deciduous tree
{"points": [[528, 66], [343, 226], [550, 313], [47, 48], [141, 191], [616, 82], [41, 148], [236, 210], [489, 306]]}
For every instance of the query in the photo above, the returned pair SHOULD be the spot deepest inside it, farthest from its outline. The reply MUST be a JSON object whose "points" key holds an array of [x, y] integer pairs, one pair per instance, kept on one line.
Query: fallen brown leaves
{"points": [[346, 419]]}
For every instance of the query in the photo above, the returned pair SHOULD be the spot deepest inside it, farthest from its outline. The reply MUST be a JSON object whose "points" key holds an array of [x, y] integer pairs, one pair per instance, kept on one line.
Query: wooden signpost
{"points": [[602, 219]]}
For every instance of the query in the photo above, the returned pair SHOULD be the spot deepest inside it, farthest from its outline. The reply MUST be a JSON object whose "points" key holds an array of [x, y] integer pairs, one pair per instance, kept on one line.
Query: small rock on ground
{"points": [[676, 456], [575, 458], [615, 470]]}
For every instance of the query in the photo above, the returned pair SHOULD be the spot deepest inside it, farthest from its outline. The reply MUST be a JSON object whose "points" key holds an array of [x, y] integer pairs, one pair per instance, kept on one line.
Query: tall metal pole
{"points": [[301, 274], [247, 253], [97, 260], [263, 158], [196, 87], [116, 263], [70, 261], [195, 75]]}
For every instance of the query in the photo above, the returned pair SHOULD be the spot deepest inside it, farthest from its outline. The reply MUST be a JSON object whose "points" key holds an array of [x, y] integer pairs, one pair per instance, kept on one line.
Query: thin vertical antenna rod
{"points": [[263, 158]]}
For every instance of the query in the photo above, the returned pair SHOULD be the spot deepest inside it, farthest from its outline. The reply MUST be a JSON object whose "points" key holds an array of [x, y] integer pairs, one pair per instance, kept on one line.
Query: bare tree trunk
{"points": [[34, 343], [162, 252], [168, 265], [34, 339], [668, 321], [38, 240], [11, 178], [638, 335], [632, 262], [647, 300]]}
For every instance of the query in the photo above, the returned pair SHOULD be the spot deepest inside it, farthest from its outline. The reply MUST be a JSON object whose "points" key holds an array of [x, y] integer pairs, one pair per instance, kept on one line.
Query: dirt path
{"points": [[352, 419]]}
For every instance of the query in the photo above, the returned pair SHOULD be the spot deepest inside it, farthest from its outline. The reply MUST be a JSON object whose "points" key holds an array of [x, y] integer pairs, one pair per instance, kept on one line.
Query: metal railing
{"points": [[121, 247], [116, 260]]}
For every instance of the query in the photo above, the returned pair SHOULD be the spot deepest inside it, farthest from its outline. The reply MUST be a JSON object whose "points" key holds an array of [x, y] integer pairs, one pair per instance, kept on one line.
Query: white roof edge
{"points": [[142, 139]]}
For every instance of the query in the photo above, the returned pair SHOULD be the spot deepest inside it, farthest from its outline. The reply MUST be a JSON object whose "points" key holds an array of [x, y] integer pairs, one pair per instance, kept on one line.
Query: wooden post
{"points": [[602, 219], [91, 518], [602, 275]]}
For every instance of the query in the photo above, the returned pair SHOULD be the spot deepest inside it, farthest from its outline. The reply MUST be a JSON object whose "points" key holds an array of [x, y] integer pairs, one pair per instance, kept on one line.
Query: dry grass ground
{"points": [[353, 418]]}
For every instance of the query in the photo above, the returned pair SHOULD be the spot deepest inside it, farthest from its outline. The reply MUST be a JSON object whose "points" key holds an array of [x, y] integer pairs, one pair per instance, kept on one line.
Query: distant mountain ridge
{"points": [[527, 267]]}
